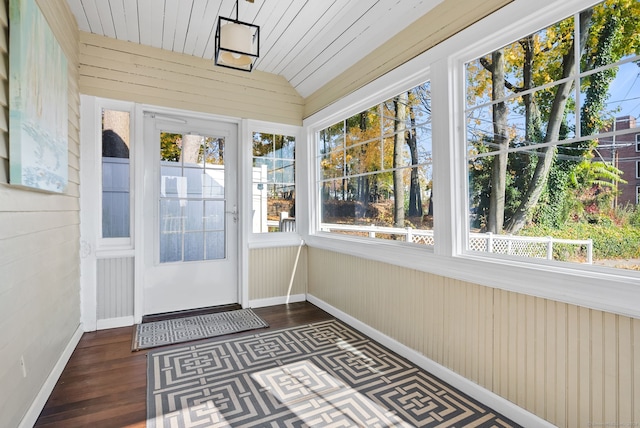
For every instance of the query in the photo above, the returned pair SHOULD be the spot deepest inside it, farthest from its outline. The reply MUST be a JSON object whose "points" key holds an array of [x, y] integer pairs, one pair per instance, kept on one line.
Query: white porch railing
{"points": [[285, 224], [416, 236], [524, 246]]}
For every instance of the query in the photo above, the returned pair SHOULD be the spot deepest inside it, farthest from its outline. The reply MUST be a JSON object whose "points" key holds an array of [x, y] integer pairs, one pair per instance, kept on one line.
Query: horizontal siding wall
{"points": [[131, 72], [445, 20], [572, 366], [39, 236], [270, 272]]}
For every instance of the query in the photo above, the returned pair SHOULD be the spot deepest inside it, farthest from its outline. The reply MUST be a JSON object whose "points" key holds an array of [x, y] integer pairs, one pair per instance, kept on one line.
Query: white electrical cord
{"points": [[295, 267]]}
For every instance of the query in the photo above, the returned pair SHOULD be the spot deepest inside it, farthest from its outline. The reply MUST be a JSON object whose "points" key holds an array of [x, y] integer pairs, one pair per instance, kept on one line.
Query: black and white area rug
{"points": [[320, 375], [166, 332]]}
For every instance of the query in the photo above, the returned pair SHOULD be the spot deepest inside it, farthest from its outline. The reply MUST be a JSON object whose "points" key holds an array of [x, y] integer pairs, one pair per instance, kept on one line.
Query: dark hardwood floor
{"points": [[104, 383]]}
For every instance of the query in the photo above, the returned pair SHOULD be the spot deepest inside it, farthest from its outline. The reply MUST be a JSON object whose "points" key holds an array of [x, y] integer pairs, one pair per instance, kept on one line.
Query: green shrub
{"points": [[610, 241], [634, 218]]}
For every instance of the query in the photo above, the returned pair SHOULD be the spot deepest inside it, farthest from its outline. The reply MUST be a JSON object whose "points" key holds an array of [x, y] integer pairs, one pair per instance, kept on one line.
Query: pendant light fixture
{"points": [[237, 43]]}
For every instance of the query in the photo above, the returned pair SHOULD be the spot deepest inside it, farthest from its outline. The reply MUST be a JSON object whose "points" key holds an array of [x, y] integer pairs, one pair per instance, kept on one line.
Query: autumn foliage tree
{"points": [[533, 79], [377, 156]]}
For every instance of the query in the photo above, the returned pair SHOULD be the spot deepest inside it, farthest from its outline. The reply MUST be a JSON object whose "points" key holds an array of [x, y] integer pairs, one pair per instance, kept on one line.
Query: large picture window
{"points": [[525, 160], [375, 176], [547, 118]]}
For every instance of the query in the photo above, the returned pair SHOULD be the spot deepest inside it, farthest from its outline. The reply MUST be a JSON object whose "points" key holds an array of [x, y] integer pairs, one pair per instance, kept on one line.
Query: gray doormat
{"points": [[320, 375], [178, 330]]}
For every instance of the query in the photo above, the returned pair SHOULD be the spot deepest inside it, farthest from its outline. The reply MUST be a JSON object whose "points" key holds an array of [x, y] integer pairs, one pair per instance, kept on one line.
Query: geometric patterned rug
{"points": [[178, 330], [320, 375]]}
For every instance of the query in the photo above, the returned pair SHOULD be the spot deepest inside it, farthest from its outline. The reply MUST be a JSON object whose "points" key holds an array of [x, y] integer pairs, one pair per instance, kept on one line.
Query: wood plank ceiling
{"points": [[308, 42]]}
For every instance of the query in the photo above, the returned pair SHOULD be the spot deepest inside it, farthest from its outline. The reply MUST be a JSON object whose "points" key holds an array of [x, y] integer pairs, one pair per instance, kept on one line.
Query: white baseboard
{"points": [[114, 323], [38, 403], [483, 395], [272, 301]]}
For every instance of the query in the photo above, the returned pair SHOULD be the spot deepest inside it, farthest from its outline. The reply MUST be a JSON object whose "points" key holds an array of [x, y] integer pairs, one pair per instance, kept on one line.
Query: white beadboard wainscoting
{"points": [[114, 292], [569, 365]]}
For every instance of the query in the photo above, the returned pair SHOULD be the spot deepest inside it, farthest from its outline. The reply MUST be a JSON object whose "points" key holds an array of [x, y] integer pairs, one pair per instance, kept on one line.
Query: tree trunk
{"points": [[221, 142], [415, 198], [363, 180], [495, 219], [546, 154], [190, 148], [532, 115], [399, 104]]}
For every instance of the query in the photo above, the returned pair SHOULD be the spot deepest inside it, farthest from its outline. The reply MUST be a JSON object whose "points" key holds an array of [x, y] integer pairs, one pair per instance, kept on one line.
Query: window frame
{"points": [[189, 127], [371, 95], [444, 65], [420, 79], [122, 243], [270, 239]]}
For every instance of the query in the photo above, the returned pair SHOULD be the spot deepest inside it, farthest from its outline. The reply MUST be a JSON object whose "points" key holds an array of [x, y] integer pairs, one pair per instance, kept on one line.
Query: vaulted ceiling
{"points": [[308, 42]]}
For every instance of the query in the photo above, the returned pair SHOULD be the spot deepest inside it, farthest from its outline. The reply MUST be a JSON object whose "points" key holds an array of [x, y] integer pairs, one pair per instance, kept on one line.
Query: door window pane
{"points": [[194, 246], [192, 204]]}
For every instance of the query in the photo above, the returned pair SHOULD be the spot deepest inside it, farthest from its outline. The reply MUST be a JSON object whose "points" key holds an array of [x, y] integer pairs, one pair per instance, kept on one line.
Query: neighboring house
{"points": [[623, 151], [535, 340]]}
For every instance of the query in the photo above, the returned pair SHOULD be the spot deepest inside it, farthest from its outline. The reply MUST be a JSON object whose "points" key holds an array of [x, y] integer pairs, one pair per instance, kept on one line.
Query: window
{"points": [[638, 169], [274, 182], [463, 147], [375, 171], [637, 195], [637, 142], [116, 144], [192, 197], [540, 117]]}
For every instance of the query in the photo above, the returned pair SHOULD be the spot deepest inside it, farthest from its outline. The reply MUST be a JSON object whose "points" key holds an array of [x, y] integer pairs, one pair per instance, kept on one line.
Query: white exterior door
{"points": [[190, 214]]}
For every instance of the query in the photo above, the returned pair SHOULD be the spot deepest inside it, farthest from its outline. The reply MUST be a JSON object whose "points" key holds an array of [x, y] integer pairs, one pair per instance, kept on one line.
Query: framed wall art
{"points": [[38, 107]]}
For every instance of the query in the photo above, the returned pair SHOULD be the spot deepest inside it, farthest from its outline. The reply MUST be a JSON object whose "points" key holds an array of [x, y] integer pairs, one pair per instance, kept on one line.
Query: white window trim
{"points": [[638, 169], [637, 142], [611, 290], [111, 247], [269, 240], [92, 245], [142, 243]]}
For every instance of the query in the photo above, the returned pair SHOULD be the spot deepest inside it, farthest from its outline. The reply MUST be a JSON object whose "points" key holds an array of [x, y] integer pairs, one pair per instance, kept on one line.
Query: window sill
{"points": [[114, 248], [274, 240], [606, 289]]}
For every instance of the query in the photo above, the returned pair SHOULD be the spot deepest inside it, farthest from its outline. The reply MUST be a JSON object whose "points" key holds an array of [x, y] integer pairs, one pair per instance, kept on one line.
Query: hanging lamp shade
{"points": [[237, 43]]}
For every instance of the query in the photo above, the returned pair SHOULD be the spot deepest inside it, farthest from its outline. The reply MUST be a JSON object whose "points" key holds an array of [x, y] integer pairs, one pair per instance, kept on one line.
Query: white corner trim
{"points": [[38, 403], [115, 322], [486, 397], [272, 301]]}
